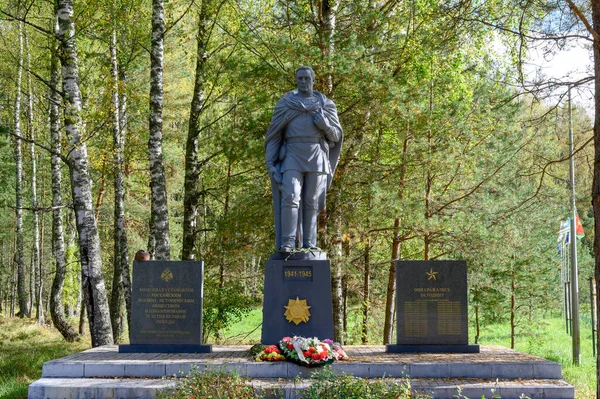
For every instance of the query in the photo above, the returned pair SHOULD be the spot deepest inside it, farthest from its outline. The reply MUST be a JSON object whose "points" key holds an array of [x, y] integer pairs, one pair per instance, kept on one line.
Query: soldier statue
{"points": [[302, 148]]}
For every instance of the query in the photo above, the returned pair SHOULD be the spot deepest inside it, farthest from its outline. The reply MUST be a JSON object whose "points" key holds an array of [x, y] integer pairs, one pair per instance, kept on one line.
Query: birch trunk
{"points": [[35, 262], [13, 291], [20, 252], [81, 184], [58, 236], [192, 166], [159, 218], [124, 261], [120, 236]]}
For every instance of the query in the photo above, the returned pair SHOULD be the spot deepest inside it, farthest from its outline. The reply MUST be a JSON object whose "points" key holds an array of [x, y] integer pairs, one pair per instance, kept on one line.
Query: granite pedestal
{"points": [[297, 299]]}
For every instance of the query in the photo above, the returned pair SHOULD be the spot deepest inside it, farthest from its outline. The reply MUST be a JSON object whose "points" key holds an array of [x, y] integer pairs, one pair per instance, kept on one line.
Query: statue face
{"points": [[304, 81]]}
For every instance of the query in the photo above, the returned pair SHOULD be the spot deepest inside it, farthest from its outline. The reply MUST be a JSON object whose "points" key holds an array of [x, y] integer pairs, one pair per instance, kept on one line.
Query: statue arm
{"points": [[334, 131], [274, 139]]}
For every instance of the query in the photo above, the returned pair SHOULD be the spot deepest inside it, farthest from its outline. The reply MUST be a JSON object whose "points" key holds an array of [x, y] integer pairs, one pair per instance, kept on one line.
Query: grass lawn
{"points": [[548, 339], [545, 338], [24, 347], [246, 332]]}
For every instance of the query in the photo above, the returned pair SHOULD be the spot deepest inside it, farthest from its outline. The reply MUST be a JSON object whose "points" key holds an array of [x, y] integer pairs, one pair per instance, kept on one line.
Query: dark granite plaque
{"points": [[431, 307], [166, 302], [297, 298]]}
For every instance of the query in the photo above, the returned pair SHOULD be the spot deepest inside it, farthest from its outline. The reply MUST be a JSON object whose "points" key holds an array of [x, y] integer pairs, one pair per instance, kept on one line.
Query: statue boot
{"points": [[309, 229], [289, 225]]}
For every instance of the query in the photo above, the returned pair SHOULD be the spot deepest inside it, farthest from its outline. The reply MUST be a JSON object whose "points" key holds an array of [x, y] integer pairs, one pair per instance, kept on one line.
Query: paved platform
{"points": [[104, 373]]}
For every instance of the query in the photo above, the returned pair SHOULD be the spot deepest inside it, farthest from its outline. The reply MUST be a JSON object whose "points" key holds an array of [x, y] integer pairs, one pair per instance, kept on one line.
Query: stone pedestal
{"points": [[297, 298], [431, 307], [166, 308]]}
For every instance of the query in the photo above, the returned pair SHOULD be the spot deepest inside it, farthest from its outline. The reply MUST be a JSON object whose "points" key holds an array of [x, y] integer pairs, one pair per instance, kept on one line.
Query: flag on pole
{"points": [[578, 227], [563, 231]]}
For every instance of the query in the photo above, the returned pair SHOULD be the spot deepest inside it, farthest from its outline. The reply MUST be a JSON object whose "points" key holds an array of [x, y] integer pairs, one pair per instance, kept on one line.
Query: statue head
{"points": [[305, 79]]}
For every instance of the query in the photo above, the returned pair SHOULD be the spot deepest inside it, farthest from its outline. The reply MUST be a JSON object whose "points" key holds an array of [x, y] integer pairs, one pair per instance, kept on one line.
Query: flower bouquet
{"points": [[308, 352], [270, 354], [338, 351]]}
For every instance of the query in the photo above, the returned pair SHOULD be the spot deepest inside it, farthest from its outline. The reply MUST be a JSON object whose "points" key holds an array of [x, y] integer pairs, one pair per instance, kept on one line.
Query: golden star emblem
{"points": [[431, 275], [297, 311]]}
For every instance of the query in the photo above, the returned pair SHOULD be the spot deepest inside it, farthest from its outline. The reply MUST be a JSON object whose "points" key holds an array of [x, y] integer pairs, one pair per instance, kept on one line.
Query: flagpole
{"points": [[574, 280]]}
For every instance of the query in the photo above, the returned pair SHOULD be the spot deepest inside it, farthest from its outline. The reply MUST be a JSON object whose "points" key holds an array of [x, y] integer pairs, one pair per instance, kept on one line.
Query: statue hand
{"points": [[275, 175], [320, 120]]}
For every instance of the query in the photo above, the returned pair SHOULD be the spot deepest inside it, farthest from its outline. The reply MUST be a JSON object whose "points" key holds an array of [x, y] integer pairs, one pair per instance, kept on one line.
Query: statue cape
{"points": [[286, 109]]}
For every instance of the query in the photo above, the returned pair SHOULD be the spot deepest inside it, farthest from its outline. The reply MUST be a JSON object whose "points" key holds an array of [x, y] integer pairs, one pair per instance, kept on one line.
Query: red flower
{"points": [[307, 353], [312, 349], [290, 346], [316, 356], [324, 355]]}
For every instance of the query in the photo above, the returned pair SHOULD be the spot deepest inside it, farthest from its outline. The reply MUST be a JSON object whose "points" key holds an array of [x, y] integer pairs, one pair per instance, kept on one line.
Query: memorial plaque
{"points": [[297, 297], [166, 307], [431, 307]]}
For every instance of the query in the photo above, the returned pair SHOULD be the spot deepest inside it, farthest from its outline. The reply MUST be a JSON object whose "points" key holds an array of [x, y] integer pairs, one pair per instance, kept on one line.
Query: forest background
{"points": [[453, 149]]}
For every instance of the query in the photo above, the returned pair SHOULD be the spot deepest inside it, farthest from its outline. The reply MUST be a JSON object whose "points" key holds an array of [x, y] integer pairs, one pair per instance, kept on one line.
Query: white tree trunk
{"points": [[35, 263], [58, 235], [120, 236], [159, 244], [123, 125], [20, 252], [81, 184]]}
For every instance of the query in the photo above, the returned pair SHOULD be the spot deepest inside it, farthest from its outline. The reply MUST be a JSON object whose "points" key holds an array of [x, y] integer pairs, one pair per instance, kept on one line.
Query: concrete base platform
{"points": [[105, 373], [67, 388]]}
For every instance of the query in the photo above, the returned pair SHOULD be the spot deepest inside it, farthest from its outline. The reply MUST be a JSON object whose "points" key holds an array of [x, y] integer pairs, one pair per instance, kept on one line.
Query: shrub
{"points": [[210, 385], [328, 385]]}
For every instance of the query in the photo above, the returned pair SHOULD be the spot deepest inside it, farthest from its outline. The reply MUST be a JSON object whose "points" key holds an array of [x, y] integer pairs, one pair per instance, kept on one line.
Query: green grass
{"points": [[548, 339], [545, 338], [245, 332], [24, 347]]}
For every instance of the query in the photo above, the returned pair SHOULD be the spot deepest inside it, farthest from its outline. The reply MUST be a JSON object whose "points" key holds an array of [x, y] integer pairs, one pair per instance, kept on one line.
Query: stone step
{"points": [[366, 361], [139, 388], [290, 370]]}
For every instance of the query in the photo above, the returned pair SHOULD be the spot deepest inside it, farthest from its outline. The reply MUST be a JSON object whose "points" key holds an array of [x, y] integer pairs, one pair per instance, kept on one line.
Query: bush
{"points": [[328, 385], [210, 385]]}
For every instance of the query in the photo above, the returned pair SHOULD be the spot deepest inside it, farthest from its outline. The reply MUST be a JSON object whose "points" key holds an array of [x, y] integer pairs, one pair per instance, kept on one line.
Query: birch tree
{"points": [[120, 234], [123, 245], [81, 185], [20, 252], [158, 245], [35, 261], [58, 236]]}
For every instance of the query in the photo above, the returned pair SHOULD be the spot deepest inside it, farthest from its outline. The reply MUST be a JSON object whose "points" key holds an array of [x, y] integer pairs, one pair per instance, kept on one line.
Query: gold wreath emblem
{"points": [[166, 275], [297, 311]]}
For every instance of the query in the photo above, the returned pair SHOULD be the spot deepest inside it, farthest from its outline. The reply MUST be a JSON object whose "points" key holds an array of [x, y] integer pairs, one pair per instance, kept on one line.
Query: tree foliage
{"points": [[444, 154]]}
